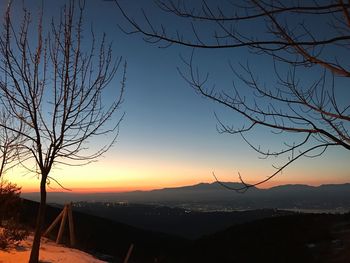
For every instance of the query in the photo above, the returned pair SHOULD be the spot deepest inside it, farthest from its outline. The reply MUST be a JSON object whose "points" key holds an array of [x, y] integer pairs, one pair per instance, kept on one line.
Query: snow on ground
{"points": [[50, 252]]}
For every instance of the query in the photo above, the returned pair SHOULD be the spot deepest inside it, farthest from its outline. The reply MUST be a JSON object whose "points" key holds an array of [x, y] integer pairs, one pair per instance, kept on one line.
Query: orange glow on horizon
{"points": [[86, 190], [90, 190], [124, 175]]}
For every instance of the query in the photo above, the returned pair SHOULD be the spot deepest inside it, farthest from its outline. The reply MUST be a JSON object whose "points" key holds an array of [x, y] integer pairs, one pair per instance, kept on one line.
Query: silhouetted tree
{"points": [[299, 36], [9, 200], [10, 203], [55, 85]]}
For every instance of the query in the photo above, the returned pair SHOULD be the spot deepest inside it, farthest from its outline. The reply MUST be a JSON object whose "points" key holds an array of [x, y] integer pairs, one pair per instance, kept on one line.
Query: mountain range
{"points": [[213, 196]]}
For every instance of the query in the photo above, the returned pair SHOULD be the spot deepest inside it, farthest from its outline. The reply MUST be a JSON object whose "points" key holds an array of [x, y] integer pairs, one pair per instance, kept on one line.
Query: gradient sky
{"points": [[169, 137]]}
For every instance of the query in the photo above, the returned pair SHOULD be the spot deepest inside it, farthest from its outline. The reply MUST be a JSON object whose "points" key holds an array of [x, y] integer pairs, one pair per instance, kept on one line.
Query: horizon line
{"points": [[147, 189]]}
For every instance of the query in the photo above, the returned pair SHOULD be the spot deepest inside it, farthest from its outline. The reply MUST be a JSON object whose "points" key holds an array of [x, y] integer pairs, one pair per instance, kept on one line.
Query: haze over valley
{"points": [[215, 197]]}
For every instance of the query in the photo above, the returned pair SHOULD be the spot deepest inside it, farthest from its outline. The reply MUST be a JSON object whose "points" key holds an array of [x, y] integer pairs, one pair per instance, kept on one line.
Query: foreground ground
{"points": [[50, 252]]}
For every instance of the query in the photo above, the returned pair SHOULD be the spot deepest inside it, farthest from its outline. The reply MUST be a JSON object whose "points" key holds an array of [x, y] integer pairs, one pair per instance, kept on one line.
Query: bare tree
{"points": [[10, 155], [299, 36], [57, 87], [10, 142]]}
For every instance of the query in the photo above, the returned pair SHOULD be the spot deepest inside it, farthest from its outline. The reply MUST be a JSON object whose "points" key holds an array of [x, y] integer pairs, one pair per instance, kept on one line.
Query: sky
{"points": [[168, 136]]}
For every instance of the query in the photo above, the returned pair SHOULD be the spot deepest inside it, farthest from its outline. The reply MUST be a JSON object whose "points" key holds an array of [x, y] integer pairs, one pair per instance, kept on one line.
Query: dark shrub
{"points": [[9, 201]]}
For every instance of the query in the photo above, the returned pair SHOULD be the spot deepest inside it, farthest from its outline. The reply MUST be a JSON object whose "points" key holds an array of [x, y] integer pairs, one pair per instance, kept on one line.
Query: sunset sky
{"points": [[168, 136]]}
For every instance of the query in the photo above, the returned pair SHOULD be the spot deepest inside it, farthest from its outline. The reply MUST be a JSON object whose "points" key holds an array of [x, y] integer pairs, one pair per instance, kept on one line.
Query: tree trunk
{"points": [[34, 254]]}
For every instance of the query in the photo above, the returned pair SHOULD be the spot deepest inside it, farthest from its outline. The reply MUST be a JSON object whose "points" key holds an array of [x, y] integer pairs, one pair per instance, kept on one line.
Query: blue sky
{"points": [[168, 136]]}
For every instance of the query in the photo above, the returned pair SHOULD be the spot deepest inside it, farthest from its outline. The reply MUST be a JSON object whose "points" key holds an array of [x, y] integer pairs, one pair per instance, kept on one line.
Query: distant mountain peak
{"points": [[205, 186]]}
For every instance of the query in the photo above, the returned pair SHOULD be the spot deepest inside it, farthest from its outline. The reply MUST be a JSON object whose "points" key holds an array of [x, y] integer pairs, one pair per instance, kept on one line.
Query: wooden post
{"points": [[66, 212], [129, 253], [71, 225], [63, 222], [54, 223]]}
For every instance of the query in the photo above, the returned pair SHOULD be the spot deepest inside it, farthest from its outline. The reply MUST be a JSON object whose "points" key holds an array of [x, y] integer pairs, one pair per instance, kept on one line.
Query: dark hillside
{"points": [[99, 235], [293, 238], [288, 238], [174, 221]]}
